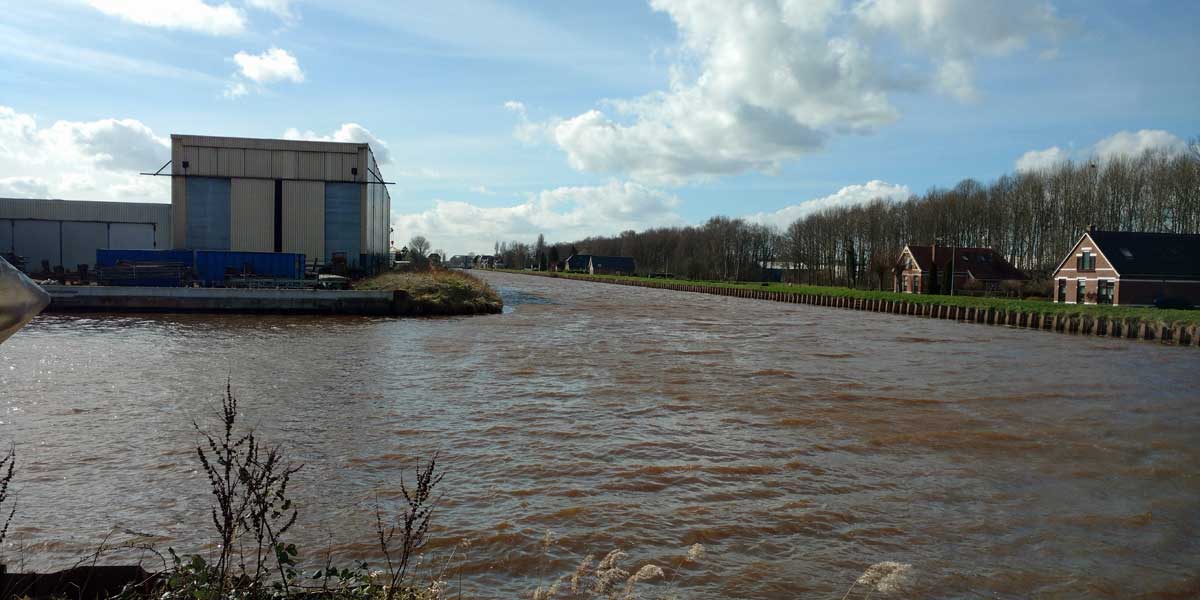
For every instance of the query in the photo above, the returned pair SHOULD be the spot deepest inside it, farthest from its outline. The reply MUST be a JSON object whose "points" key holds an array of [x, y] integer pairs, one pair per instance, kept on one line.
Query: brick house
{"points": [[922, 270], [1130, 269]]}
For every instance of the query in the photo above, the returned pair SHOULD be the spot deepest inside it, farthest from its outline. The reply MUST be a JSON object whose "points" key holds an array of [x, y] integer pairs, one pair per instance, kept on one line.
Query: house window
{"points": [[903, 283], [916, 284], [1062, 291], [1104, 292], [1080, 291], [1086, 261]]}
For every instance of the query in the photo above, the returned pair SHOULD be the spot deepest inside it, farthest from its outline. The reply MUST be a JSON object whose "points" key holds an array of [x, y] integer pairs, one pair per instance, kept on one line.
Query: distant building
{"points": [[600, 265], [1130, 269], [41, 235], [923, 269], [260, 195]]}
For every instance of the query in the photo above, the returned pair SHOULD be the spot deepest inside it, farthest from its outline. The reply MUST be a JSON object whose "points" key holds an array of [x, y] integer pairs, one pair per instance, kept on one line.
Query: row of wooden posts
{"points": [[1183, 335]]}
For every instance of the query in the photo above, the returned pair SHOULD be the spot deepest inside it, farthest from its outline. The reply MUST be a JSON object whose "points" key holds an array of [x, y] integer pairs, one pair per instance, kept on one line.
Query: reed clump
{"points": [[438, 291]]}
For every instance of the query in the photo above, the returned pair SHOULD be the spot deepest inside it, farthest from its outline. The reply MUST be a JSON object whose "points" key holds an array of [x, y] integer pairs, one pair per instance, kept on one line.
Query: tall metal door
{"points": [[342, 221], [80, 240], [208, 213]]}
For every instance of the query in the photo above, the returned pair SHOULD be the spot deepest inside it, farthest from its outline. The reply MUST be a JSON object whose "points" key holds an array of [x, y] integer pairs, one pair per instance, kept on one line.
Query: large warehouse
{"points": [[50, 233], [321, 199]]}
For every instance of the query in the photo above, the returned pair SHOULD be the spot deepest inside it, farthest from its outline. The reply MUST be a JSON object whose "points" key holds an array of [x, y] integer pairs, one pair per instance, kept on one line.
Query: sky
{"points": [[502, 120]]}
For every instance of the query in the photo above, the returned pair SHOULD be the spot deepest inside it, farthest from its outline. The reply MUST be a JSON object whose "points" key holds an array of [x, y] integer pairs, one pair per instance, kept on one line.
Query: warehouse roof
{"points": [[267, 143]]}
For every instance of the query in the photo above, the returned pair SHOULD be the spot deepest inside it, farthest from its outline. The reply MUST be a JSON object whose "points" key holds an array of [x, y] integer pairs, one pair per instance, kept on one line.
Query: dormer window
{"points": [[1127, 253]]}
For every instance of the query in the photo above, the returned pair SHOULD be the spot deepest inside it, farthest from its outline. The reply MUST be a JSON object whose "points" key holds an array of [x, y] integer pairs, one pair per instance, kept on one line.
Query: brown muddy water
{"points": [[799, 444]]}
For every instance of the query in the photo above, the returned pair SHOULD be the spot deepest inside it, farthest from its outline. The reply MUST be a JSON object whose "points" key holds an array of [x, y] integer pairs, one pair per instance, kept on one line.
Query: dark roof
{"points": [[577, 261], [1154, 255], [624, 264], [981, 263]]}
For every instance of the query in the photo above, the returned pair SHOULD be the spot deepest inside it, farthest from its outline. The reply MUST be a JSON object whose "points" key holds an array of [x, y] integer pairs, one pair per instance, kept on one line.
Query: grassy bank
{"points": [[1124, 313], [438, 292]]}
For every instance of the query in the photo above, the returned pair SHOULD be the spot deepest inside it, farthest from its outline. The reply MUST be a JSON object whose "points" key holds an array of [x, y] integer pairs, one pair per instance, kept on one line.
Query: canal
{"points": [[798, 444]]}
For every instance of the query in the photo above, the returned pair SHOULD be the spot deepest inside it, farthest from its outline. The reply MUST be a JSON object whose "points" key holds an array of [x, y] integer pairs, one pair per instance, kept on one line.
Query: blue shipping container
{"points": [[212, 264], [110, 258]]}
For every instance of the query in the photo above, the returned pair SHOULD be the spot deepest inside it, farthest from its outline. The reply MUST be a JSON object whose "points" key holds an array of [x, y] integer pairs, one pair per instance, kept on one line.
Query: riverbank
{"points": [[438, 292], [1179, 327]]}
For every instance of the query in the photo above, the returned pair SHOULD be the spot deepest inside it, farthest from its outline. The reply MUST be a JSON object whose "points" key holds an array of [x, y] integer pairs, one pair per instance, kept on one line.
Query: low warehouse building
{"points": [[325, 200], [46, 234]]}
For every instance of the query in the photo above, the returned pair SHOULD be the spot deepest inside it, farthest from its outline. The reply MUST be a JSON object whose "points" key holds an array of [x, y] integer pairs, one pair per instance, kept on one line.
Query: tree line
{"points": [[1032, 218]]}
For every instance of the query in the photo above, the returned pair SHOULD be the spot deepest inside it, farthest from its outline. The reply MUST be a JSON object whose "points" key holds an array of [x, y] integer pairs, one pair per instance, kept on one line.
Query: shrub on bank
{"points": [[438, 291]]}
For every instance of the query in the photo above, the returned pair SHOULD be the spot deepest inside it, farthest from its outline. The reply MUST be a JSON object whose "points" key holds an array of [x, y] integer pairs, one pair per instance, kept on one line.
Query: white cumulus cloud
{"points": [[1040, 160], [276, 64], [565, 213], [256, 71], [85, 160], [952, 32], [280, 8], [1135, 143], [348, 132], [1131, 144], [23, 187], [761, 82], [851, 195], [194, 15]]}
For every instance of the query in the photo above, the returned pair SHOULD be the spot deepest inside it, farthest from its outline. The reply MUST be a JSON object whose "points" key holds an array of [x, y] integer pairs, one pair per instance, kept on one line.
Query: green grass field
{"points": [[1149, 315]]}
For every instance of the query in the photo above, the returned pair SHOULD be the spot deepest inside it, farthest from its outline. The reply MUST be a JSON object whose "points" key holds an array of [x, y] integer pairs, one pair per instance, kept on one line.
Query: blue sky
{"points": [[502, 120]]}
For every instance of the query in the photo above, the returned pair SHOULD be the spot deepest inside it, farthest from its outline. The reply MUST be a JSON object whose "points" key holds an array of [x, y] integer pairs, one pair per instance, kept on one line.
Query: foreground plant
{"points": [[7, 464], [887, 577], [609, 580]]}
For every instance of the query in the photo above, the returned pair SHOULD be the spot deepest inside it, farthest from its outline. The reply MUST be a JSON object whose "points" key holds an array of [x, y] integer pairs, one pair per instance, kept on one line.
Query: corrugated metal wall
{"points": [[342, 220], [6, 236], [270, 159], [80, 240], [131, 236], [208, 213], [38, 241], [252, 214], [304, 218], [309, 225]]}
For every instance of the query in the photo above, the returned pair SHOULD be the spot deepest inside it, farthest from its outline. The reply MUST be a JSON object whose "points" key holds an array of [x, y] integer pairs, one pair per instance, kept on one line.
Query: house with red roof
{"points": [[926, 270]]}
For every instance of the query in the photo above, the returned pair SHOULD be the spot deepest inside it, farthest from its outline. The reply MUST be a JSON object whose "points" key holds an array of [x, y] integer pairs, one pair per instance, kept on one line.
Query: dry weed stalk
{"points": [[249, 488], [409, 530]]}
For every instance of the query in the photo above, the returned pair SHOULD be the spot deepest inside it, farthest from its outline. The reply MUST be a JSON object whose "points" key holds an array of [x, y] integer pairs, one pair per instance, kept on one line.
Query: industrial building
{"points": [[325, 200], [45, 234]]}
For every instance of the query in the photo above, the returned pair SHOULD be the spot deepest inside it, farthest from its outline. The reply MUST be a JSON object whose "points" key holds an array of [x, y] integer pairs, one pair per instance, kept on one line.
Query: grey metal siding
{"points": [[179, 212], [208, 213], [132, 236], [283, 164], [80, 240], [304, 218], [342, 218], [231, 162], [38, 241], [258, 163], [252, 222], [6, 236]]}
